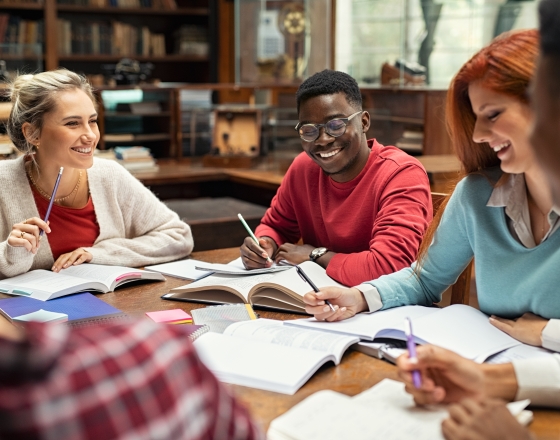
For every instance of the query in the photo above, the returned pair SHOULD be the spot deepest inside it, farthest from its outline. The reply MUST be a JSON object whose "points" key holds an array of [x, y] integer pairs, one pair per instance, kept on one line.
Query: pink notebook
{"points": [[174, 316]]}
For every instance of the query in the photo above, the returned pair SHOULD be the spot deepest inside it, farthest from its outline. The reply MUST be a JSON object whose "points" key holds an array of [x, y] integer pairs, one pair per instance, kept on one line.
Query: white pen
{"points": [[255, 239]]}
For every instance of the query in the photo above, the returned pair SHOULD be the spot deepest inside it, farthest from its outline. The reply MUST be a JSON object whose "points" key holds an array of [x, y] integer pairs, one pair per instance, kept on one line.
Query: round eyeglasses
{"points": [[335, 128]]}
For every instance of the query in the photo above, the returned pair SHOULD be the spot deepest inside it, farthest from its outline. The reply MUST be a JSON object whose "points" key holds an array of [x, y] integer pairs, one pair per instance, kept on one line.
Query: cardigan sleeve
{"points": [[448, 255], [539, 380], [136, 228]]}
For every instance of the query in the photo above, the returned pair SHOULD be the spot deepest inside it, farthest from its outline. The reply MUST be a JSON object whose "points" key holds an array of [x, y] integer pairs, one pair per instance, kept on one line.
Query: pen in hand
{"points": [[305, 278], [255, 239], [416, 379], [51, 201]]}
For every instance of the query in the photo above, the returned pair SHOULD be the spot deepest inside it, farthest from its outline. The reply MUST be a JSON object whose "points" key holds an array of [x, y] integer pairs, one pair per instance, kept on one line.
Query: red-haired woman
{"points": [[501, 213]]}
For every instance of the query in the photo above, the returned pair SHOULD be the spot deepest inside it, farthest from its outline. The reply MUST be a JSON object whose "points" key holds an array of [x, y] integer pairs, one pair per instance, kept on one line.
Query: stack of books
{"points": [[136, 159], [411, 141]]}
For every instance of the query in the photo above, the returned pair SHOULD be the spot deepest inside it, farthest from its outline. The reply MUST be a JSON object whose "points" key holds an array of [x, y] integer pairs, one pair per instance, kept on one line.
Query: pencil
{"points": [[51, 201], [255, 239]]}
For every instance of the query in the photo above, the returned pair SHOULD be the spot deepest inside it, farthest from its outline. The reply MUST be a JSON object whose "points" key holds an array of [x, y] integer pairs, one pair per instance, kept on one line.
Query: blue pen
{"points": [[416, 379], [52, 199], [305, 278]]}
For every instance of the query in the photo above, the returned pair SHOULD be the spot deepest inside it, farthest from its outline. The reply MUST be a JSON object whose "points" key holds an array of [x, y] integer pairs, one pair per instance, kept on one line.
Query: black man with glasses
{"points": [[353, 206]]}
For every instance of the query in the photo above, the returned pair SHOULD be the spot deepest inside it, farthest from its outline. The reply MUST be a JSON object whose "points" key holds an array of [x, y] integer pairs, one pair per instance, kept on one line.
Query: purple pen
{"points": [[51, 201], [412, 351]]}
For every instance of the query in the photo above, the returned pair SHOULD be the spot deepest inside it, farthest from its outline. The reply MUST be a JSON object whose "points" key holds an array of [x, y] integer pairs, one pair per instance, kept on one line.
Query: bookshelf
{"points": [[177, 36]]}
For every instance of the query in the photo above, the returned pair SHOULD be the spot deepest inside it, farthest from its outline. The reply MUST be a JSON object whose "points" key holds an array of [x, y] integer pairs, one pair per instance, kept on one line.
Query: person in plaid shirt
{"points": [[136, 381]]}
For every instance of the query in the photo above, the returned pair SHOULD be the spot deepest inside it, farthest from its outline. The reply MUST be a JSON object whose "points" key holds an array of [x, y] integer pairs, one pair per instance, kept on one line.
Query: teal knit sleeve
{"points": [[448, 255]]}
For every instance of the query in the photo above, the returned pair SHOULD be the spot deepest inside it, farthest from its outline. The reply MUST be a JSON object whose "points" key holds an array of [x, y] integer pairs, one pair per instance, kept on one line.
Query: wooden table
{"points": [[356, 372]]}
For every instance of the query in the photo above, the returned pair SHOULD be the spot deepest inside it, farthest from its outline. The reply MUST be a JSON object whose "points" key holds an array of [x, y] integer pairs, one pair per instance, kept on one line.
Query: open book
{"points": [[328, 415], [44, 285], [267, 355], [460, 328], [281, 290]]}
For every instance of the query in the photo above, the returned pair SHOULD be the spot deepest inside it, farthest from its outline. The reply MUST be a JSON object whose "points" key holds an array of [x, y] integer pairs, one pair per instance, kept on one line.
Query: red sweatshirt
{"points": [[374, 223]]}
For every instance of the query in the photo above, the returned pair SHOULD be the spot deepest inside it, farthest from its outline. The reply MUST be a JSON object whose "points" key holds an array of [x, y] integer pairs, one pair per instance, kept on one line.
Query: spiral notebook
{"points": [[81, 308]]}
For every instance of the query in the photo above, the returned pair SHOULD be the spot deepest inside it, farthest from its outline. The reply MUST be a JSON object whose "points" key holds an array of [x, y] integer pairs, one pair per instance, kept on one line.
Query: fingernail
{"points": [[65, 265], [336, 308], [343, 309], [320, 303], [326, 309]]}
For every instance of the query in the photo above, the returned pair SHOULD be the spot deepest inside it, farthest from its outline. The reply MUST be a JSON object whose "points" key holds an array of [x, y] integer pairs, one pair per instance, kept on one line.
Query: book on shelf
{"points": [[281, 290], [468, 331], [140, 108], [81, 308], [327, 415], [411, 141], [45, 285], [107, 38], [265, 354], [20, 34], [144, 4], [136, 159]]}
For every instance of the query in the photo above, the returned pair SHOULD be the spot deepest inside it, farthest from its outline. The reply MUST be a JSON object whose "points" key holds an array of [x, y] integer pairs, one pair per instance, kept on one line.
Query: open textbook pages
{"points": [[44, 285], [282, 290], [236, 267], [328, 415], [267, 355], [459, 328]]}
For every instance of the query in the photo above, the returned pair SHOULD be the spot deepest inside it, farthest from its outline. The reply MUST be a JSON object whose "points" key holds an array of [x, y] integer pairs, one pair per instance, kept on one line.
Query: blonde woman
{"points": [[101, 214]]}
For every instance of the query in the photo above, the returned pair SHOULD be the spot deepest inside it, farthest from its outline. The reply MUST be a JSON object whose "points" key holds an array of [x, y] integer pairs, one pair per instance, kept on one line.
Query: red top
{"points": [[71, 228], [375, 222]]}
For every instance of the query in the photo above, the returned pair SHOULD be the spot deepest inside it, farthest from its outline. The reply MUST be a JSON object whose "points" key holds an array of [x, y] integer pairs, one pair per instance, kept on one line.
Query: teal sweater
{"points": [[510, 278]]}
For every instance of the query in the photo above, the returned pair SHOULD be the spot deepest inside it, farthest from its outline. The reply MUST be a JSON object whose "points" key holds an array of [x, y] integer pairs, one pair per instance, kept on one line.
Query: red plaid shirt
{"points": [[128, 381]]}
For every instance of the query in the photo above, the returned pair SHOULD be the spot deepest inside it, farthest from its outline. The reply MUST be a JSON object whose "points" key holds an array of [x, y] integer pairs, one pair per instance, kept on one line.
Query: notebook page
{"points": [[236, 267], [185, 269], [273, 332], [257, 364], [327, 415], [367, 325], [464, 330]]}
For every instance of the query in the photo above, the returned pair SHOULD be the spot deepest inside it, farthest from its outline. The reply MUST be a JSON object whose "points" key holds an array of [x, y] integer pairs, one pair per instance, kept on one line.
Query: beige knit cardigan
{"points": [[135, 227]]}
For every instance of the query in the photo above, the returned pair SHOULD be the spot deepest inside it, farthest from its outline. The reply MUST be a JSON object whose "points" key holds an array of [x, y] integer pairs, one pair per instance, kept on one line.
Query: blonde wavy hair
{"points": [[33, 96]]}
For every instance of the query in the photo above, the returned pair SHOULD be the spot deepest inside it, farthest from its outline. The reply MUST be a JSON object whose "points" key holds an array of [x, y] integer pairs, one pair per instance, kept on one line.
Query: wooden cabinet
{"points": [[397, 112], [82, 35]]}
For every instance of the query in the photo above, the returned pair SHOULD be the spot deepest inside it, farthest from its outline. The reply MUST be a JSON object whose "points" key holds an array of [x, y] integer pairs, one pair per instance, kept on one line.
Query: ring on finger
{"points": [[22, 233], [25, 222]]}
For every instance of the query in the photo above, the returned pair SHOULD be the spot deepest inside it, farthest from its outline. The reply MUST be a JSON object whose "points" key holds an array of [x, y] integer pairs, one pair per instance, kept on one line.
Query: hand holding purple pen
{"points": [[416, 379], [46, 219]]}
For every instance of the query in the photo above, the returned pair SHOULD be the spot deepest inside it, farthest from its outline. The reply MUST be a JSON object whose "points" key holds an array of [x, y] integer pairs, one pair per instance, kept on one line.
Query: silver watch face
{"points": [[318, 252]]}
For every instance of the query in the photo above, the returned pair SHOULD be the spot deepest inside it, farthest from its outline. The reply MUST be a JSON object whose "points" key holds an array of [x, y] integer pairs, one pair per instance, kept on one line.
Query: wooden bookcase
{"points": [[169, 67]]}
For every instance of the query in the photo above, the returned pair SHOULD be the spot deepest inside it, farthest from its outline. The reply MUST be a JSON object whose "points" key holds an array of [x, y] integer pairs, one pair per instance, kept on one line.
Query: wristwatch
{"points": [[317, 253]]}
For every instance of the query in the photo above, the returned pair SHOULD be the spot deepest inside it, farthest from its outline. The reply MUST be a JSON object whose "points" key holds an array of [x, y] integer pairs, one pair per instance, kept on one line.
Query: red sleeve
{"points": [[279, 221], [405, 210]]}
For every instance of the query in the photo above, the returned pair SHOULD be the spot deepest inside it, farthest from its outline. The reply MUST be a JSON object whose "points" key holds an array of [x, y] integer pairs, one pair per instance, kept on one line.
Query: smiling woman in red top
{"points": [[101, 214]]}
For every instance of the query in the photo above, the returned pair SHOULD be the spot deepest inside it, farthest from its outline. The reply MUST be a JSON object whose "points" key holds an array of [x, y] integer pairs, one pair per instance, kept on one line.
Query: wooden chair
{"points": [[461, 289]]}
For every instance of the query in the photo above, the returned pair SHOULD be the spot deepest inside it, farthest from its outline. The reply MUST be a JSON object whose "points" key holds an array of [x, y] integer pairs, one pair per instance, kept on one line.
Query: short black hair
{"points": [[329, 82], [549, 18]]}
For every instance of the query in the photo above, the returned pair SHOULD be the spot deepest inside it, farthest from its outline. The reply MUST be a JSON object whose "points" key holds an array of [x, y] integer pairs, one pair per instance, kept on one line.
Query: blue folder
{"points": [[81, 308]]}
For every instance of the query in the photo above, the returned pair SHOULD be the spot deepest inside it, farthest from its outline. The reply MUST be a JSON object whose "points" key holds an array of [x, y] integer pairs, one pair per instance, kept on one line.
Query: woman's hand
{"points": [[26, 234], [74, 258], [346, 302], [487, 419], [527, 329]]}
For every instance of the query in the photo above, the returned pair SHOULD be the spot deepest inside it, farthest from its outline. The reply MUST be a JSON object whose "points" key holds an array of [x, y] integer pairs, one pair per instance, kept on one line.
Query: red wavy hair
{"points": [[505, 66]]}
